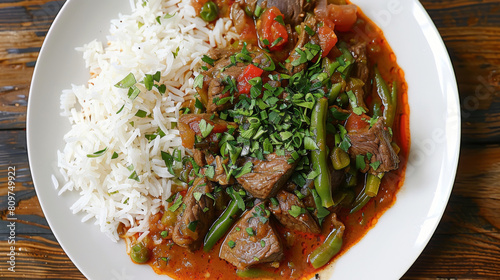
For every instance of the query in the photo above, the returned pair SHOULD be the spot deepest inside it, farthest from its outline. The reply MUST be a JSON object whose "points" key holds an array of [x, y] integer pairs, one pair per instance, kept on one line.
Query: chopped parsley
{"points": [[98, 153], [250, 231], [176, 204], [192, 226], [296, 211]]}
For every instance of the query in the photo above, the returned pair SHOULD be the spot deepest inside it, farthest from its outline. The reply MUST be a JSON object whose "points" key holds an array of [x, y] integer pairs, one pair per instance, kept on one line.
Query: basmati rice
{"points": [[104, 117]]}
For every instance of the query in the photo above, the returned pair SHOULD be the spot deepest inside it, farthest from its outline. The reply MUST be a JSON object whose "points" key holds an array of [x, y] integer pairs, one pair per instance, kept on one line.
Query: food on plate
{"points": [[238, 139]]}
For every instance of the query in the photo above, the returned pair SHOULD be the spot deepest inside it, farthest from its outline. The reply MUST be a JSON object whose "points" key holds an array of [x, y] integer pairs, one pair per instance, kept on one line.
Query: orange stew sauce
{"points": [[180, 263]]}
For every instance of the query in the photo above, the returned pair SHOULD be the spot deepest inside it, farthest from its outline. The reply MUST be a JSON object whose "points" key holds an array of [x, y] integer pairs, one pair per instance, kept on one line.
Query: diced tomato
{"points": [[272, 32], [344, 16], [250, 72], [356, 122], [327, 39]]}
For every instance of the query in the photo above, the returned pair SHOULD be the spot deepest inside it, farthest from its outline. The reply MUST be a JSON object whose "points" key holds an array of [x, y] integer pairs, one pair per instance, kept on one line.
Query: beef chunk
{"points": [[220, 175], [252, 240], [291, 213], [360, 70], [293, 10], [197, 217], [376, 141], [267, 176], [303, 39]]}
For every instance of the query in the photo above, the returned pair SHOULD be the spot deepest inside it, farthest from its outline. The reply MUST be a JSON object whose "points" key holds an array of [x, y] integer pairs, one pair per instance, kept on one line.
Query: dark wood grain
{"points": [[466, 244]]}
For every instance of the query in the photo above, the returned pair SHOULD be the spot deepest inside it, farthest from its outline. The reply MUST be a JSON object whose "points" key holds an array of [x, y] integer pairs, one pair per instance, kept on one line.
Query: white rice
{"points": [[137, 44]]}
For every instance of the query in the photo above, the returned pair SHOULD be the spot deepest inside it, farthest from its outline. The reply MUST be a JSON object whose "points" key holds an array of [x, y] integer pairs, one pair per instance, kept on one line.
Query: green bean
{"points": [[377, 111], [345, 69], [326, 251], [319, 156], [209, 11], [340, 158], [222, 225], [254, 273], [333, 93], [343, 99], [348, 198], [352, 177], [372, 184], [360, 201], [139, 253], [387, 98]]}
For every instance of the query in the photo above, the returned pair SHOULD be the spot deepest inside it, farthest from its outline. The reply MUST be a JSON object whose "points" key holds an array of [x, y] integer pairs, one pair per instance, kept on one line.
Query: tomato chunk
{"points": [[344, 16], [327, 39], [356, 122], [271, 29], [250, 72]]}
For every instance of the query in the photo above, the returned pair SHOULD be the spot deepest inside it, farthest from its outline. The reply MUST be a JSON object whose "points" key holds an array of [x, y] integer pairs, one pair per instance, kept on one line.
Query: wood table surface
{"points": [[466, 244]]}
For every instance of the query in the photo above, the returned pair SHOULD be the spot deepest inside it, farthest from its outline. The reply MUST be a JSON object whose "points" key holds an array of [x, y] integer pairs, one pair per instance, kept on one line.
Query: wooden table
{"points": [[466, 244]]}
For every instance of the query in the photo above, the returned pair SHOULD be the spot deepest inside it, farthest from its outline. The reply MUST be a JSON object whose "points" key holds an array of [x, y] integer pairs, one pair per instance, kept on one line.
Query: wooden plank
{"points": [[471, 32], [38, 255], [466, 244], [23, 25]]}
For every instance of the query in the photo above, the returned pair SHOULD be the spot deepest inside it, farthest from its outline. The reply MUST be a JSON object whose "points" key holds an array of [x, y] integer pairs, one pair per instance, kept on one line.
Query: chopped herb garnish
{"points": [[197, 195], [148, 81], [274, 201], [279, 19], [164, 233], [158, 19], [198, 81], [121, 109], [208, 60], [296, 211], [205, 128], [231, 244], [250, 231], [141, 114], [322, 211], [97, 154], [127, 82], [115, 155], [309, 30], [210, 172], [167, 16], [360, 162], [176, 53], [134, 176], [277, 41], [263, 243], [369, 156], [375, 165], [133, 92], [192, 226], [176, 204], [245, 169]]}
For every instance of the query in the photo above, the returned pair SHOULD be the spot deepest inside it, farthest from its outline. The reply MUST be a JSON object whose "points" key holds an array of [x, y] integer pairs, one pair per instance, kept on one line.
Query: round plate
{"points": [[386, 252]]}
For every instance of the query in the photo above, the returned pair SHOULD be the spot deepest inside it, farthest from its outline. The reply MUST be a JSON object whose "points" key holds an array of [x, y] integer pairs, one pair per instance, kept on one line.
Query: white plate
{"points": [[386, 252]]}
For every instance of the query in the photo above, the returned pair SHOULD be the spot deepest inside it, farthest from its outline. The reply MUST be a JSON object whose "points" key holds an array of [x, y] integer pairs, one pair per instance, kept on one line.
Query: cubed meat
{"points": [[198, 215], [377, 142], [292, 214], [267, 176], [252, 240]]}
